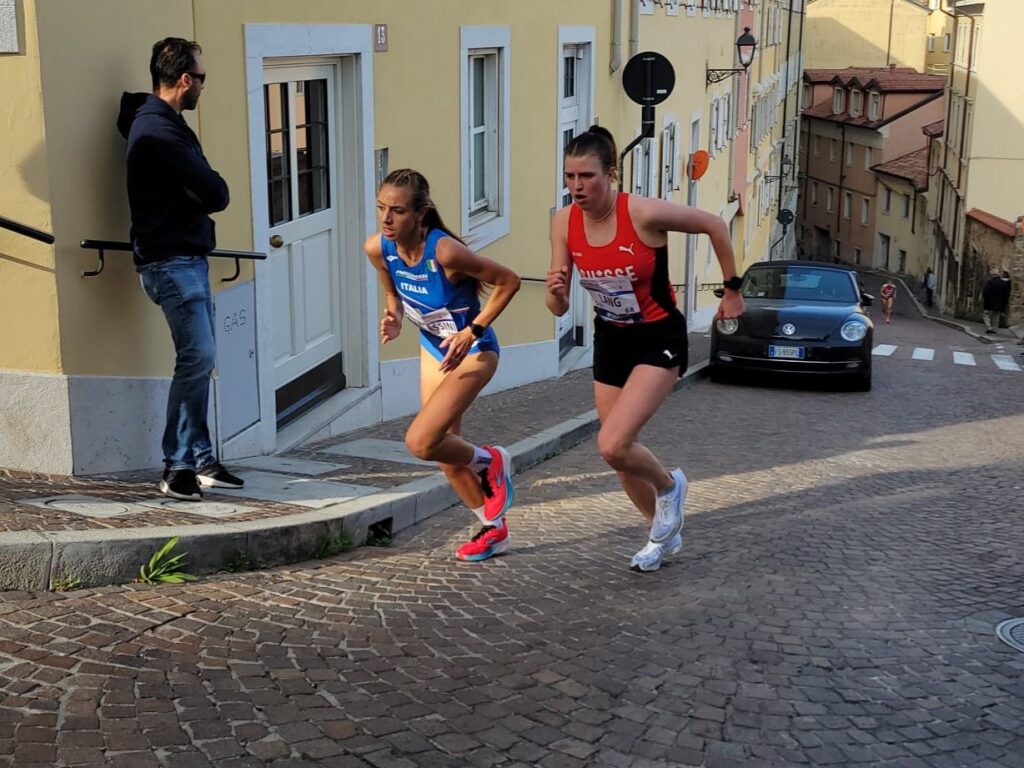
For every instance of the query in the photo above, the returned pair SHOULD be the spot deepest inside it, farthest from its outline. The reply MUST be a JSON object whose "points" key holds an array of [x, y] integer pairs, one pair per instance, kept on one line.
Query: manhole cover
{"points": [[1011, 632], [92, 507]]}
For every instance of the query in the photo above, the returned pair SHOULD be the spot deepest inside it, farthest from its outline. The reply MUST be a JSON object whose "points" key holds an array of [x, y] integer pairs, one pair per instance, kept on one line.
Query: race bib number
{"points": [[438, 323], [614, 299]]}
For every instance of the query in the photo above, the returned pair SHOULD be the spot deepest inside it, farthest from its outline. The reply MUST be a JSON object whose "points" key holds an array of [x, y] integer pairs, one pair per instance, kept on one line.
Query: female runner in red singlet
{"points": [[619, 244]]}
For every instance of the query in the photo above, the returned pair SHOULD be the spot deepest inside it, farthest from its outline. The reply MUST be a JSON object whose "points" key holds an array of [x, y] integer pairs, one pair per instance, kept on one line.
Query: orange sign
{"points": [[698, 165]]}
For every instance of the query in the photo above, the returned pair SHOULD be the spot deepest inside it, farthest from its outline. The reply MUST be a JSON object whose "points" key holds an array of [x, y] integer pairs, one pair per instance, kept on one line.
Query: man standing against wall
{"points": [[993, 301], [172, 190]]}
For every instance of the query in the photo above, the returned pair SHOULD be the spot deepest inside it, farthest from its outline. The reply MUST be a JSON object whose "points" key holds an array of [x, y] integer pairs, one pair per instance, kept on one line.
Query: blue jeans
{"points": [[180, 285]]}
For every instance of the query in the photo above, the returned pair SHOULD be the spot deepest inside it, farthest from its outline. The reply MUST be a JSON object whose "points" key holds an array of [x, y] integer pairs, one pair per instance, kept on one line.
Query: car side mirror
{"points": [[719, 292], [866, 299]]}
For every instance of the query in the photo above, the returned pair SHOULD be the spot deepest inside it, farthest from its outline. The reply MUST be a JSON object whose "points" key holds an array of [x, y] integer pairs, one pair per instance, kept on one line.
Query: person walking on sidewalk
{"points": [[993, 301], [172, 190], [619, 244], [433, 280], [928, 283], [888, 293]]}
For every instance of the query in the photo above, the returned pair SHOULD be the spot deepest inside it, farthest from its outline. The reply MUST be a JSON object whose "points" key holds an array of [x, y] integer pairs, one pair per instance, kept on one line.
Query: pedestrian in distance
{"points": [[888, 294], [928, 283], [431, 278], [172, 190], [993, 301], [1007, 292], [619, 244]]}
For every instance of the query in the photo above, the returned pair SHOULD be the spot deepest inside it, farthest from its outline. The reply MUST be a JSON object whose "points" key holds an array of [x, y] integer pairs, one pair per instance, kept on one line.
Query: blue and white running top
{"points": [[439, 307]]}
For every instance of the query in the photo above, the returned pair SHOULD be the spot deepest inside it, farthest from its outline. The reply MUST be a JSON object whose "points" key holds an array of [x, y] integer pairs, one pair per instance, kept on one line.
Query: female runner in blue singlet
{"points": [[432, 279]]}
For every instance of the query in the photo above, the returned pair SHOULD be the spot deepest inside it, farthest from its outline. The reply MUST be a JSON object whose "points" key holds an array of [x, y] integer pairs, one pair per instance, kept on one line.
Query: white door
{"points": [[302, 191], [573, 119]]}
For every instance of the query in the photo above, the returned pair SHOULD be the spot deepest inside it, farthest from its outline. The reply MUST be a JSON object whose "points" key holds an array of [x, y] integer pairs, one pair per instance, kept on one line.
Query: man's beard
{"points": [[190, 100]]}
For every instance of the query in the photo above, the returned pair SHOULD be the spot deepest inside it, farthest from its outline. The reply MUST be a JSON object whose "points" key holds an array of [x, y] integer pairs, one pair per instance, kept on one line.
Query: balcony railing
{"points": [[27, 231], [113, 245]]}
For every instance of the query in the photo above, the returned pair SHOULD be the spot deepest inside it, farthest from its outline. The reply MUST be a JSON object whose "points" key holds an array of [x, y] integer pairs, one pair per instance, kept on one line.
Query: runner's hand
{"points": [[390, 327], [558, 282], [731, 306], [458, 345]]}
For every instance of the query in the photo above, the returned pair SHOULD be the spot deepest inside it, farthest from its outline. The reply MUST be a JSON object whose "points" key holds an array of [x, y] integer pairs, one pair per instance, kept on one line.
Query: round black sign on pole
{"points": [[648, 78], [785, 217]]}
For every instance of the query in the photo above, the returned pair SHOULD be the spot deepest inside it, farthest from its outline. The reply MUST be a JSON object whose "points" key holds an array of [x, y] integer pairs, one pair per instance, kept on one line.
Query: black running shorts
{"points": [[619, 349]]}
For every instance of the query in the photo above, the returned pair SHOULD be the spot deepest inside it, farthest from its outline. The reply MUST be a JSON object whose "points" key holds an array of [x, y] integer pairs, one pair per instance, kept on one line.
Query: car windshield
{"points": [[799, 284]]}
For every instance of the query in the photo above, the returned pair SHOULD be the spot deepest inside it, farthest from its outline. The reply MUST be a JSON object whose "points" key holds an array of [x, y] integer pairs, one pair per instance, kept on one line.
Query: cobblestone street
{"points": [[847, 559]]}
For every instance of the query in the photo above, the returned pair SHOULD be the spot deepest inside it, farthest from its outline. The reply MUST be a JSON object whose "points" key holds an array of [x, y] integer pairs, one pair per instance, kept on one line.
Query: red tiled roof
{"points": [[823, 110], [992, 221], [885, 79], [913, 167], [935, 129]]}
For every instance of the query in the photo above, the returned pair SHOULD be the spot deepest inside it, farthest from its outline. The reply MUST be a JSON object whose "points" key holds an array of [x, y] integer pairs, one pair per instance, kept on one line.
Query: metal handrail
{"points": [[116, 245], [27, 231]]}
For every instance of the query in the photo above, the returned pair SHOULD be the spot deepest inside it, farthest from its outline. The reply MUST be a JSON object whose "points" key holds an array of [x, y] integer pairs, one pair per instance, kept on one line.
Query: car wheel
{"points": [[862, 381]]}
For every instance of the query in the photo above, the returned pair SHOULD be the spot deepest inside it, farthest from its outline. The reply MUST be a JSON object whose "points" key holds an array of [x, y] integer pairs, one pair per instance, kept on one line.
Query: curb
{"points": [[31, 560]]}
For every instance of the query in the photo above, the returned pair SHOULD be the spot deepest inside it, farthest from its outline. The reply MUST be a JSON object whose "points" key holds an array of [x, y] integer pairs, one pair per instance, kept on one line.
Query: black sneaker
{"points": [[181, 484], [215, 476]]}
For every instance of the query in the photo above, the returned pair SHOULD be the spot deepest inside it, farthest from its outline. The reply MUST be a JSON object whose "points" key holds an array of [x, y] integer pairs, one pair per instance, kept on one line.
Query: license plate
{"points": [[788, 353]]}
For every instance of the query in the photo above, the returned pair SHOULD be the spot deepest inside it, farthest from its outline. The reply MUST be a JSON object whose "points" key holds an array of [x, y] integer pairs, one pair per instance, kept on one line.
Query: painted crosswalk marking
{"points": [[1005, 363], [963, 358], [883, 350], [923, 353]]}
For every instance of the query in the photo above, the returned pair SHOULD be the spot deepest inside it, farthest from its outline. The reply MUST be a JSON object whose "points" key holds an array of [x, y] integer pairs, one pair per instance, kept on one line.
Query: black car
{"points": [[801, 317]]}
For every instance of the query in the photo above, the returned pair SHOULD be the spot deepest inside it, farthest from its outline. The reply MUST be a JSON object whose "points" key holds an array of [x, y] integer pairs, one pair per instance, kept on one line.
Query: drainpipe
{"points": [[616, 36], [785, 105], [967, 91], [634, 27], [888, 47]]}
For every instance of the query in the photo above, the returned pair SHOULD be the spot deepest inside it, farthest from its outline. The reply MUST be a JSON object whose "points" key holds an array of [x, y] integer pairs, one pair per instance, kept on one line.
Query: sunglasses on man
{"points": [[200, 76]]}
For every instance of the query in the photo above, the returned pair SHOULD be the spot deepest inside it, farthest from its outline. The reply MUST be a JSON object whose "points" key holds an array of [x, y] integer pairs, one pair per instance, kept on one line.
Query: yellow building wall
{"points": [[995, 159], [109, 326], [858, 33], [28, 289], [907, 233]]}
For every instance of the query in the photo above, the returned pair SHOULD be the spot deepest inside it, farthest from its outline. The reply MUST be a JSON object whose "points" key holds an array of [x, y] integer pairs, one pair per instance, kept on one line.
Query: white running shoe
{"points": [[650, 557], [668, 510]]}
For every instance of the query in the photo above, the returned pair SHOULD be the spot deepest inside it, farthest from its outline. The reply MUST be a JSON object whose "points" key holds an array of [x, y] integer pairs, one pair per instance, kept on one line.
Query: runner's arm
{"points": [[394, 311], [457, 258], [560, 271], [661, 216]]}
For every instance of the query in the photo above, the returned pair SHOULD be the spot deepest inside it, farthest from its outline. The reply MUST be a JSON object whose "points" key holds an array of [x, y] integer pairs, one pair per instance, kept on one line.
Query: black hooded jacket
{"points": [[171, 187]]}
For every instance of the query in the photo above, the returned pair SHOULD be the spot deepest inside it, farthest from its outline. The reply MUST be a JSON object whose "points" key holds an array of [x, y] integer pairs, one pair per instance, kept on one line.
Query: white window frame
{"points": [[874, 106], [833, 149], [829, 199], [856, 102], [847, 203], [905, 212], [670, 158], [946, 42], [886, 200], [817, 145], [671, 7], [646, 7], [482, 229], [865, 211], [931, 43], [838, 100], [691, 7], [868, 151], [645, 168], [849, 153]]}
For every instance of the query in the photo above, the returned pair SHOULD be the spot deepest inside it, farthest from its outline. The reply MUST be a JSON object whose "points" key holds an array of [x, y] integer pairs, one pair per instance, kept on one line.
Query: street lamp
{"points": [[745, 46]]}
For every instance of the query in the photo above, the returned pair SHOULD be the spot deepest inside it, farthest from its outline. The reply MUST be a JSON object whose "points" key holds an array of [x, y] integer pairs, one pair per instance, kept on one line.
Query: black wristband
{"points": [[477, 330], [734, 283]]}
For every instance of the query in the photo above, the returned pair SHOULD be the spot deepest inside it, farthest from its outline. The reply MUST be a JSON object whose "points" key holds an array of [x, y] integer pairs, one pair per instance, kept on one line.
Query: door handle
{"points": [[276, 241]]}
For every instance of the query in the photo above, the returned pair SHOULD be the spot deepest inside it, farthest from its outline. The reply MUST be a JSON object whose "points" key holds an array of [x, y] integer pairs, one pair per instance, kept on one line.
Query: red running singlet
{"points": [[627, 279]]}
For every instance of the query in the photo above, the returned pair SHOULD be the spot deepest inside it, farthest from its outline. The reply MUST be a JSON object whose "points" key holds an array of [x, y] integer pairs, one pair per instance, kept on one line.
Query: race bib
{"points": [[614, 299], [438, 323]]}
